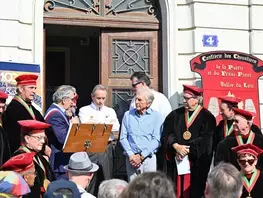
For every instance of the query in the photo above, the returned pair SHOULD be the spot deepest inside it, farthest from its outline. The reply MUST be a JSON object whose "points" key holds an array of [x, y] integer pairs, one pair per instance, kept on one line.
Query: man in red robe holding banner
{"points": [[187, 136]]}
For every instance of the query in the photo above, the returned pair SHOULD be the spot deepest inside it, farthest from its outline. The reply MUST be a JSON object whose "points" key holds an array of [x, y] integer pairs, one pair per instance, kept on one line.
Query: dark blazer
{"points": [[56, 138]]}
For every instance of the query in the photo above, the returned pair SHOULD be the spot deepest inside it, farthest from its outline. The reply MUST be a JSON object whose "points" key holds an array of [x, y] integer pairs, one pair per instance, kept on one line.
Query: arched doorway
{"points": [[114, 38], [91, 41]]}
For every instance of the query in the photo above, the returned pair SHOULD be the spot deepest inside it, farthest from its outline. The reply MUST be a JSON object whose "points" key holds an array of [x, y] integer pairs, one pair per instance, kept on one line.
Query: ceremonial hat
{"points": [[20, 163], [32, 126], [26, 79], [3, 95], [246, 114], [230, 99], [248, 149], [80, 163], [193, 90]]}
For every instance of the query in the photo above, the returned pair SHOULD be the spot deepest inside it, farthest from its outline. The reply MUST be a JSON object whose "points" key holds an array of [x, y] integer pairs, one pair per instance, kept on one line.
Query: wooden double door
{"points": [[121, 54], [128, 40]]}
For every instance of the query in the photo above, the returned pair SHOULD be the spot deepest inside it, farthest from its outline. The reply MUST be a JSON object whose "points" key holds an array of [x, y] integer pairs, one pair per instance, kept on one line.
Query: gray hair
{"points": [[98, 87], [224, 181], [63, 92], [145, 91], [111, 188]]}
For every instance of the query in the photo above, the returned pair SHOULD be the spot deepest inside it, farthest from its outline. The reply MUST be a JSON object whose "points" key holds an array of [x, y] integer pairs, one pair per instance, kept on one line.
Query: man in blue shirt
{"points": [[140, 134]]}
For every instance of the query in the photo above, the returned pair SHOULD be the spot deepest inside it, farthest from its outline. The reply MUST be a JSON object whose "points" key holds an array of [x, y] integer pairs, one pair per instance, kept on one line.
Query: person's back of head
{"points": [[111, 188], [150, 184], [62, 189], [224, 181]]}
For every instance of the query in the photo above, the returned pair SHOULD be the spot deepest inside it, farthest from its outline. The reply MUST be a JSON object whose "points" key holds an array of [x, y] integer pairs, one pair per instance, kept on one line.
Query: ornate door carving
{"points": [[103, 13], [123, 53]]}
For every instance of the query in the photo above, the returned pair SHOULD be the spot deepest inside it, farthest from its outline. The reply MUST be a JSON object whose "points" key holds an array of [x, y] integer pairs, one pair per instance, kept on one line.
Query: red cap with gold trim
{"points": [[246, 114], [193, 90], [248, 149], [19, 163], [27, 79], [32, 126], [229, 99]]}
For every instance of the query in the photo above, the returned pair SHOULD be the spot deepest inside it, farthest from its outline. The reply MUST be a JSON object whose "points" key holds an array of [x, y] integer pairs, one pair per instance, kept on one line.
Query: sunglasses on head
{"points": [[243, 162], [135, 84]]}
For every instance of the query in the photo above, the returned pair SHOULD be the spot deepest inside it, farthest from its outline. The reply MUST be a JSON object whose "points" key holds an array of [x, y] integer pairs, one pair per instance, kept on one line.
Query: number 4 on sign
{"points": [[210, 41]]}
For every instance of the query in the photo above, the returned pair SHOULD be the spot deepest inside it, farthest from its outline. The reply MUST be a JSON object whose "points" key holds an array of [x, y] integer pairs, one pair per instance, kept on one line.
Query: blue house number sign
{"points": [[210, 40]]}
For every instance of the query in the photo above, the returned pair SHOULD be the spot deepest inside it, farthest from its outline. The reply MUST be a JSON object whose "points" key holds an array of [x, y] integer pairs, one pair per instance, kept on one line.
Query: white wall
{"points": [[21, 31], [16, 31], [237, 23]]}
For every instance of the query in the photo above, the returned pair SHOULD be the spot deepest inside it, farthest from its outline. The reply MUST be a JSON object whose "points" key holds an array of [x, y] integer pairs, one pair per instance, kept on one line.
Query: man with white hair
{"points": [[243, 135], [112, 188], [140, 134], [57, 116], [224, 181]]}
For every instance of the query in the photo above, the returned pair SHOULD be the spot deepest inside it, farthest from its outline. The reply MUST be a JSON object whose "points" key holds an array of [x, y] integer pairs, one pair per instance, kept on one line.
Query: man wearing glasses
{"points": [[160, 103], [57, 116], [225, 126], [21, 108], [243, 135], [4, 145], [187, 135], [33, 139]]}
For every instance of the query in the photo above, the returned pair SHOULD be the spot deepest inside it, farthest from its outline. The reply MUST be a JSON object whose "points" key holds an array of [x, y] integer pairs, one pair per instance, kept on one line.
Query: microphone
{"points": [[73, 109]]}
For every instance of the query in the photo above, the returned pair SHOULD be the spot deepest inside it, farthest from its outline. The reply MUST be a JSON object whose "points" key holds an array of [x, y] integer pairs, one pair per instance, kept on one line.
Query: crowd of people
{"points": [[168, 153]]}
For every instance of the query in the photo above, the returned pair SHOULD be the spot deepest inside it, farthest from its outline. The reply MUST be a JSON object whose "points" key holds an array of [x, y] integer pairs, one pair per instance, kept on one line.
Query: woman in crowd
{"points": [[247, 158]]}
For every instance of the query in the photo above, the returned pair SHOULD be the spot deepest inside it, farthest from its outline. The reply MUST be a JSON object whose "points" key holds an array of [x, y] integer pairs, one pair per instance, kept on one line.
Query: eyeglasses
{"points": [[39, 138], [243, 162], [135, 84]]}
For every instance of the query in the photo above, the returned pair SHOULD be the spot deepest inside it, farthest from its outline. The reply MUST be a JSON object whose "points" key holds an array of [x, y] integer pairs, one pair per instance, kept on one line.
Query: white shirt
{"points": [[93, 114], [160, 103], [84, 193]]}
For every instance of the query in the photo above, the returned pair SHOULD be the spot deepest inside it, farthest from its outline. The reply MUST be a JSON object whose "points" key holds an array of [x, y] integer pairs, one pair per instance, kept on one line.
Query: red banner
{"points": [[229, 73]]}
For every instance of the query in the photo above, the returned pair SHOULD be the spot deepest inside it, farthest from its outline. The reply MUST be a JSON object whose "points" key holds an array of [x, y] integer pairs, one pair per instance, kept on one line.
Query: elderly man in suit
{"points": [[58, 116], [80, 170]]}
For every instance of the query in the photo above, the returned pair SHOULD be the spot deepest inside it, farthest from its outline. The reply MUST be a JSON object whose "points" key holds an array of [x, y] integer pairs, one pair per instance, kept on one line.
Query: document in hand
{"points": [[183, 167], [87, 137]]}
